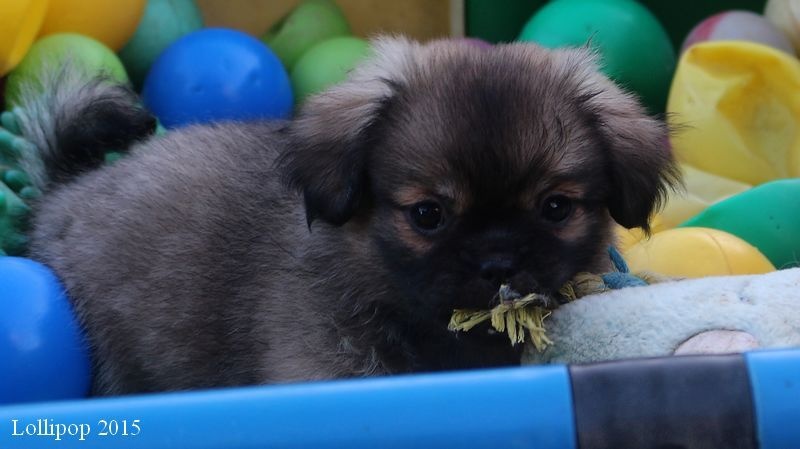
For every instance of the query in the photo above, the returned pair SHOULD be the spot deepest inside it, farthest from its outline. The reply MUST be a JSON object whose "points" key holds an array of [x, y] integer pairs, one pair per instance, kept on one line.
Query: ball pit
{"points": [[325, 64], [39, 336], [217, 74], [53, 51], [634, 47], [110, 22], [724, 151], [163, 22]]}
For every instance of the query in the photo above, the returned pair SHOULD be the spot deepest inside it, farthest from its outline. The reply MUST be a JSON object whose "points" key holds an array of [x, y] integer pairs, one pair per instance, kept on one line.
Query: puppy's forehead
{"points": [[490, 122]]}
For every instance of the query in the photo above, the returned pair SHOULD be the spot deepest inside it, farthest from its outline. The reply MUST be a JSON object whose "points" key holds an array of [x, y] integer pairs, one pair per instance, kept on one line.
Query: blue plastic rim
{"points": [[775, 380], [527, 407]]}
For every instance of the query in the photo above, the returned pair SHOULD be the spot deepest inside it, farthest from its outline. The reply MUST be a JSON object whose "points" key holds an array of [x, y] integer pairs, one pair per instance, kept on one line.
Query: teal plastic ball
{"points": [[635, 49], [163, 22]]}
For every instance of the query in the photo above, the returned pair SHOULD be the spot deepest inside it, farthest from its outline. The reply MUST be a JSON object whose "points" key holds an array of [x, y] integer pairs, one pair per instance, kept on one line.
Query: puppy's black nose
{"points": [[498, 269]]}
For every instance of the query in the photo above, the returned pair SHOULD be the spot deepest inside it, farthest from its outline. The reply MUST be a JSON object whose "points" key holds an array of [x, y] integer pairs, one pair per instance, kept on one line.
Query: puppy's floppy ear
{"points": [[330, 139], [639, 159]]}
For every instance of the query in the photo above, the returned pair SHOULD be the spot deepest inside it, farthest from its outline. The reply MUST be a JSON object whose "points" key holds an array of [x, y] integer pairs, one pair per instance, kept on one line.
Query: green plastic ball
{"points": [[54, 51], [164, 21], [310, 23], [635, 49], [766, 216], [325, 64]]}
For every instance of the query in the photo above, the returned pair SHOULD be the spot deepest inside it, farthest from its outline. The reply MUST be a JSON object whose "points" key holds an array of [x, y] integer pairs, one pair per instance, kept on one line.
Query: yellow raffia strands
{"points": [[518, 318]]}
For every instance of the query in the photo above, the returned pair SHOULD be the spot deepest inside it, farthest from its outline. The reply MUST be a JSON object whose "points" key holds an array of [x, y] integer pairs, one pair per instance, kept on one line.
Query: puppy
{"points": [[432, 175]]}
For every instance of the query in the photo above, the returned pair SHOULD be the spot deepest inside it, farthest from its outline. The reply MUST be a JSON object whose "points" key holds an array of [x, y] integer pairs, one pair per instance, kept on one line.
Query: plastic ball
{"points": [[742, 103], [164, 22], [19, 24], [696, 252], [325, 64], [44, 354], [785, 14], [739, 26], [766, 216], [110, 22], [636, 50], [52, 52], [217, 74], [310, 23]]}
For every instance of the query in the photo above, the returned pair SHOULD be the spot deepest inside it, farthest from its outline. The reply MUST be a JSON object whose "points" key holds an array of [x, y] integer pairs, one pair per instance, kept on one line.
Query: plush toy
{"points": [[699, 316]]}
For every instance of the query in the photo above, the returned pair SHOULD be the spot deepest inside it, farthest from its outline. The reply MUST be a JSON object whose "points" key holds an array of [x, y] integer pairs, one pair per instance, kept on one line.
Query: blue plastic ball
{"points": [[42, 351], [217, 74]]}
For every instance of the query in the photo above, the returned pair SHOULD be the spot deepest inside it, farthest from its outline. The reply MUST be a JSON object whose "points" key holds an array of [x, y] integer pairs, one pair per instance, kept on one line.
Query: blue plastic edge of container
{"points": [[511, 407], [775, 382]]}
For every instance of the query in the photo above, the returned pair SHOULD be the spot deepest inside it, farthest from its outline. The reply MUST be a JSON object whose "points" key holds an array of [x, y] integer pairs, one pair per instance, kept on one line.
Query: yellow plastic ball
{"points": [[737, 109], [110, 22], [19, 24], [696, 252]]}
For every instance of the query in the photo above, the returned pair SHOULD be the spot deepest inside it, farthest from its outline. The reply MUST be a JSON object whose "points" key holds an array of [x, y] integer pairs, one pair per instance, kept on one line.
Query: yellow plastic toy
{"points": [[110, 22], [737, 107], [19, 24], [696, 252]]}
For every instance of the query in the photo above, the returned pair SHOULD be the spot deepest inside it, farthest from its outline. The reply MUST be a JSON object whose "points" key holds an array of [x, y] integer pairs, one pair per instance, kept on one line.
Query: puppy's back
{"points": [[156, 246]]}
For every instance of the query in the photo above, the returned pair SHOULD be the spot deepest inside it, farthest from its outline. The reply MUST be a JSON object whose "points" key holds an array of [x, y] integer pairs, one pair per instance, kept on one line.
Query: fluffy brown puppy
{"points": [[430, 176]]}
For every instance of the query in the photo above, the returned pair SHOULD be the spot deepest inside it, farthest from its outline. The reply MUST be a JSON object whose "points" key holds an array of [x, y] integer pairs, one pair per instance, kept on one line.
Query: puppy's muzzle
{"points": [[498, 268]]}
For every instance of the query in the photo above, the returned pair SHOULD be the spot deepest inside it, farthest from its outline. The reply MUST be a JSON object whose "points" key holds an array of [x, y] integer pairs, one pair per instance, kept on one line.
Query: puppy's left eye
{"points": [[427, 216], [556, 208]]}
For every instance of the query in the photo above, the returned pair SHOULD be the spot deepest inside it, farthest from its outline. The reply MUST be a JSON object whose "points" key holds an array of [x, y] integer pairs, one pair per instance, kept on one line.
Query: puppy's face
{"points": [[479, 167]]}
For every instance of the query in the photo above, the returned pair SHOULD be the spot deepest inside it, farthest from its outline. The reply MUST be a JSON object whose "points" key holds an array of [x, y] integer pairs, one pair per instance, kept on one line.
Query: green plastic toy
{"points": [[53, 51], [15, 188], [635, 49], [325, 64], [310, 23], [766, 216]]}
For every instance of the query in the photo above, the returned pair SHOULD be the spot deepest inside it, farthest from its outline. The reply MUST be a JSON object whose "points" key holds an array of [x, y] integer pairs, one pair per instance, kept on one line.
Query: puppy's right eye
{"points": [[427, 216], [556, 208]]}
